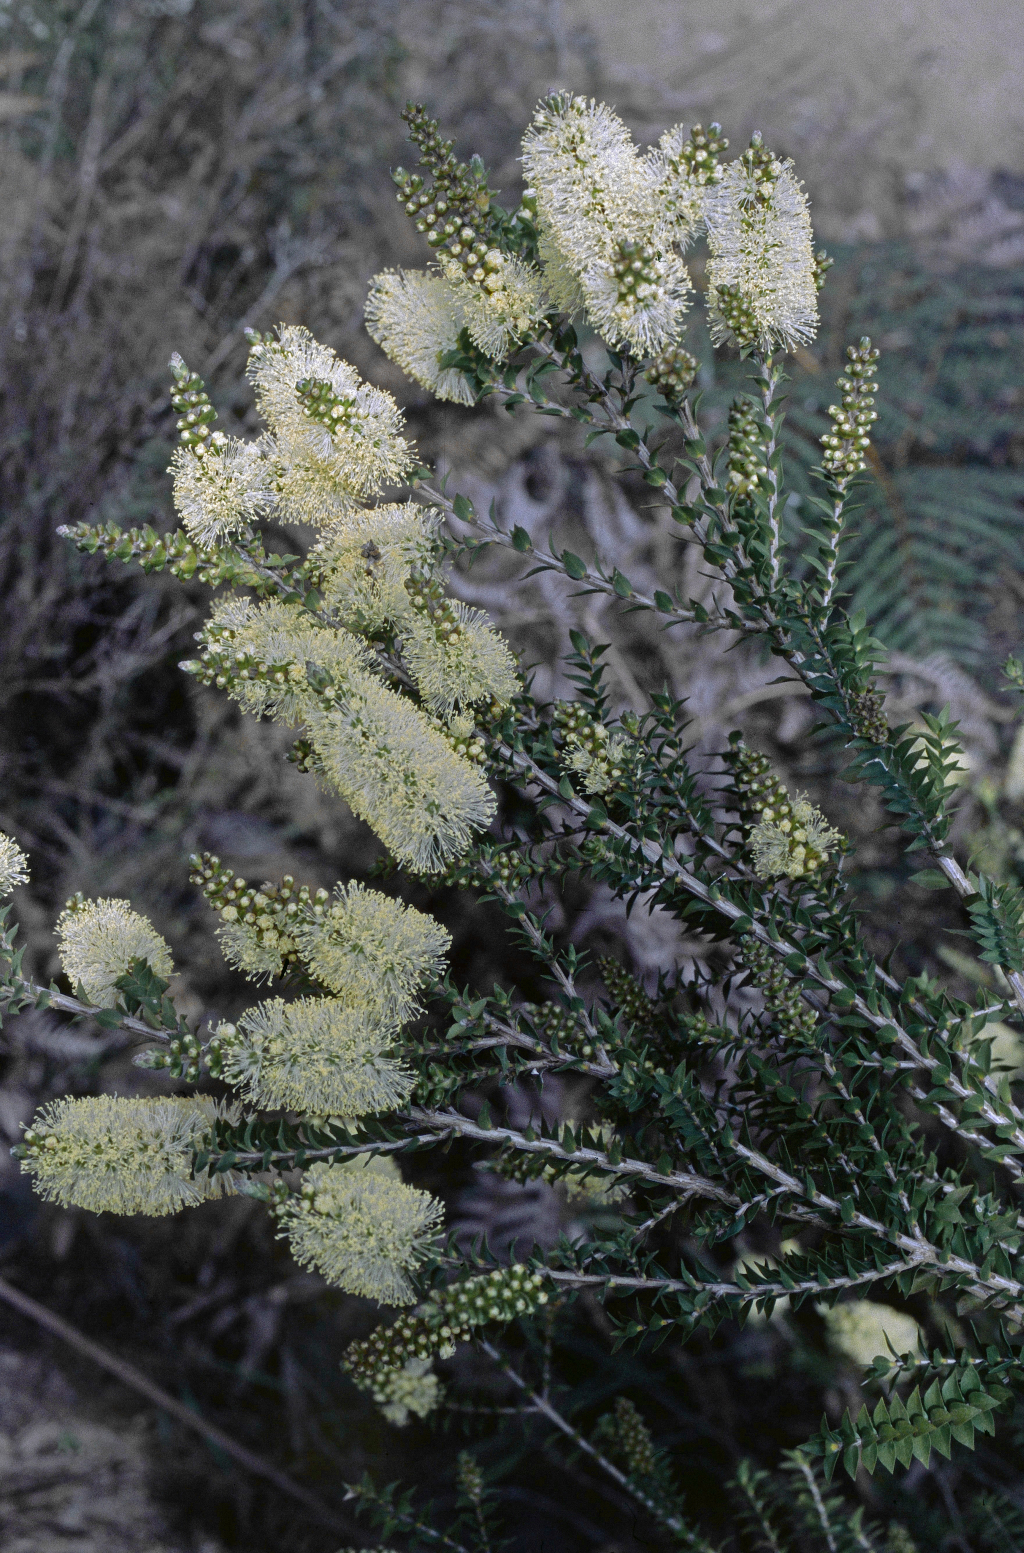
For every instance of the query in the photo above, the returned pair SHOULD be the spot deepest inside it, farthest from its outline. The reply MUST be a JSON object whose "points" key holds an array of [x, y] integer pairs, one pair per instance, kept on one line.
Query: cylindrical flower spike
{"points": [[221, 489], [13, 865], [113, 1155], [762, 287], [332, 461], [313, 1055], [373, 952], [364, 564], [795, 843], [500, 305], [602, 221], [413, 1389], [360, 1228], [101, 940], [384, 755], [398, 773], [460, 660], [416, 317], [262, 655]]}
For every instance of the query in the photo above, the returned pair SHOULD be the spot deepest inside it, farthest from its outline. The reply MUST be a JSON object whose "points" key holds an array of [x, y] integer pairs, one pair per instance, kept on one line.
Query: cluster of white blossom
{"points": [[332, 447], [612, 226]]}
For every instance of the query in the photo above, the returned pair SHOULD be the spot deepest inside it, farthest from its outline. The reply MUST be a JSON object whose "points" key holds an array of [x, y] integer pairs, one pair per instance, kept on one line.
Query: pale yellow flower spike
{"points": [[416, 317], [374, 952], [219, 490], [413, 1389], [13, 865], [605, 224], [362, 1230], [470, 665], [113, 1155], [280, 635], [504, 308], [364, 563], [384, 755], [100, 940], [399, 774], [761, 275], [314, 1055], [325, 471], [795, 846], [257, 953]]}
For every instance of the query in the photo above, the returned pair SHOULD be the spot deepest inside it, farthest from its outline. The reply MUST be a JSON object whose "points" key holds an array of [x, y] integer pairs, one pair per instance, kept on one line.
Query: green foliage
{"points": [[898, 1431]]}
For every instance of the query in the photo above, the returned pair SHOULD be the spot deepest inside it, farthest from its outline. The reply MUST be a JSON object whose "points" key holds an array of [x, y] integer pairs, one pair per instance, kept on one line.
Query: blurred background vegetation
{"points": [[175, 170]]}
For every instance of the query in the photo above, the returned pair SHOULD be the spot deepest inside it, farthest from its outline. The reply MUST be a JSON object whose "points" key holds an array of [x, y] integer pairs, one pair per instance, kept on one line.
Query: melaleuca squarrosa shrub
{"points": [[788, 1106]]}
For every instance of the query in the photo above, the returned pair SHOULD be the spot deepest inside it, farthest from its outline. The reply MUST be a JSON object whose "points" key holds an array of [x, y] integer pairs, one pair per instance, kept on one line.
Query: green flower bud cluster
{"points": [[603, 759], [490, 866], [634, 1438], [699, 154], [782, 1000], [195, 412], [869, 719], [672, 373], [272, 911], [321, 403], [847, 442], [428, 597], [447, 1317], [464, 739], [559, 1027], [632, 1002], [175, 552], [635, 271], [762, 167], [746, 452], [759, 791], [304, 756], [469, 1479], [226, 665], [737, 313], [823, 262], [183, 1058], [453, 213]]}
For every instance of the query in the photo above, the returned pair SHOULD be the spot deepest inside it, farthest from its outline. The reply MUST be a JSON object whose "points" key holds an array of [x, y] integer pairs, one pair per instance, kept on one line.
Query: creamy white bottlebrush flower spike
{"points": [[386, 757], [373, 952], [361, 1228], [504, 307], [416, 318], [464, 665], [13, 865], [762, 280], [607, 240], [398, 772], [795, 844], [114, 1155], [329, 465], [314, 1055], [100, 940], [363, 565], [220, 489], [412, 1390]]}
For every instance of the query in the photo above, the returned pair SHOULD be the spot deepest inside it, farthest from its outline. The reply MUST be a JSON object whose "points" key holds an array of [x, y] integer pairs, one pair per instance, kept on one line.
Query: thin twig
{"points": [[129, 1376]]}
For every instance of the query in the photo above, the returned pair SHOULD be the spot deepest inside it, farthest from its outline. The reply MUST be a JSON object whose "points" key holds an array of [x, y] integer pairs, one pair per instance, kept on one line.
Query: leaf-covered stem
{"points": [[543, 1405]]}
